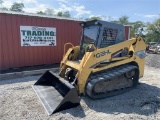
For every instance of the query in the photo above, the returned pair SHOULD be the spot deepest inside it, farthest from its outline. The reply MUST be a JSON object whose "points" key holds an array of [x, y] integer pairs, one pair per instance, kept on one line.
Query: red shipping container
{"points": [[12, 54], [127, 31]]}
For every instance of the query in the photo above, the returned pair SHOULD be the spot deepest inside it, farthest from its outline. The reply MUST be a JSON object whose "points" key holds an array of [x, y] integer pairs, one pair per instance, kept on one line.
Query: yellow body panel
{"points": [[91, 60]]}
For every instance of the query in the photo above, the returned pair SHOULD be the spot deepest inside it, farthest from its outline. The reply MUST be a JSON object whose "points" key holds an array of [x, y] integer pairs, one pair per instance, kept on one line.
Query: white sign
{"points": [[37, 36]]}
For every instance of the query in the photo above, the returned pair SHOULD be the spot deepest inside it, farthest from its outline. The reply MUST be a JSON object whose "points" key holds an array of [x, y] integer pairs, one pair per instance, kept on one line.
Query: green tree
{"points": [[124, 20], [153, 31], [66, 14], [60, 14], [49, 11], [115, 21], [138, 24], [17, 7], [41, 13], [94, 18], [4, 8], [135, 27], [1, 1]]}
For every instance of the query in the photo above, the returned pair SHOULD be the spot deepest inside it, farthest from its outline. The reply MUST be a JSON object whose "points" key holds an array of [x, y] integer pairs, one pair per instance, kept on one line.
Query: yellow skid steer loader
{"points": [[103, 65]]}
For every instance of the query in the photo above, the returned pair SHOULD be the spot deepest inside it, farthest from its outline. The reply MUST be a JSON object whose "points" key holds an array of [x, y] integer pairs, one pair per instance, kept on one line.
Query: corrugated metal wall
{"points": [[127, 32], [12, 54]]}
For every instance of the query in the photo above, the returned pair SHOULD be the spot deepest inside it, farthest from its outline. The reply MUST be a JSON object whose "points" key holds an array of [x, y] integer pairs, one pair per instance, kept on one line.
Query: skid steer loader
{"points": [[104, 65]]}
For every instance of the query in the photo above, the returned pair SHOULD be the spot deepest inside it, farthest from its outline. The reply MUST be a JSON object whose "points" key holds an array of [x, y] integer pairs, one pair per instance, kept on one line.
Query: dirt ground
{"points": [[18, 101]]}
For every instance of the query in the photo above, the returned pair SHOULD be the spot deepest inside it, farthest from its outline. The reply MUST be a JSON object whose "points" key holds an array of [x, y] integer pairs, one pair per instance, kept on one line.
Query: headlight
{"points": [[141, 54]]}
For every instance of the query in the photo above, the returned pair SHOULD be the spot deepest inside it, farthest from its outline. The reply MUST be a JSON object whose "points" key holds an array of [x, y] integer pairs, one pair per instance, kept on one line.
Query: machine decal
{"points": [[103, 53]]}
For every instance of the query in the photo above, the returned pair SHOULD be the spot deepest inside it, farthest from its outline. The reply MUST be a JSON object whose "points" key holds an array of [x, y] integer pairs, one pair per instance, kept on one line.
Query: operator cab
{"points": [[101, 34]]}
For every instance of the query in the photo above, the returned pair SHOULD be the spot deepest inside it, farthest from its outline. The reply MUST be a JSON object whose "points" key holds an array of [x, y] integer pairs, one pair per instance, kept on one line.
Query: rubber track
{"points": [[107, 76]]}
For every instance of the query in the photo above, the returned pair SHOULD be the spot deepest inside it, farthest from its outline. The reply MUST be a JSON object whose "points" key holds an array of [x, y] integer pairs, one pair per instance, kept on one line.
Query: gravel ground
{"points": [[18, 100], [153, 60]]}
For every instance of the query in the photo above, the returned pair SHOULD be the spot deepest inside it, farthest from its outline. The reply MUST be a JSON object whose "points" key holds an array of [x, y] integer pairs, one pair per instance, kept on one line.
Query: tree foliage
{"points": [[41, 13], [66, 14], [124, 20], [115, 21], [1, 1], [49, 11], [60, 14], [135, 27], [4, 8], [18, 7], [94, 18], [153, 31]]}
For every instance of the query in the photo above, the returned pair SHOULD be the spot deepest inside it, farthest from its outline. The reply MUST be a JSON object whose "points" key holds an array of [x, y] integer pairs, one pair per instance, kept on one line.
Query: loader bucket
{"points": [[55, 93]]}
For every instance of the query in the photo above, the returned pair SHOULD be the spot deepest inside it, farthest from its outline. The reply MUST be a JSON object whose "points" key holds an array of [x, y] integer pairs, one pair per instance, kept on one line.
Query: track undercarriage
{"points": [[112, 82]]}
